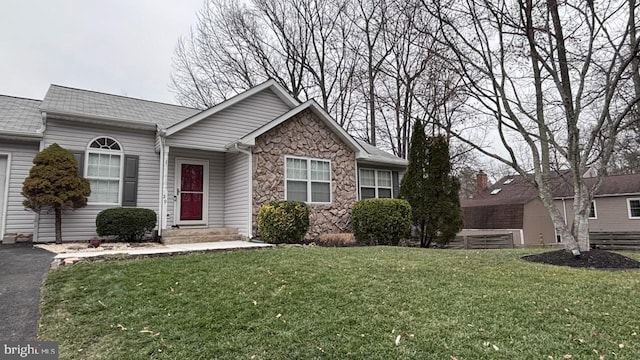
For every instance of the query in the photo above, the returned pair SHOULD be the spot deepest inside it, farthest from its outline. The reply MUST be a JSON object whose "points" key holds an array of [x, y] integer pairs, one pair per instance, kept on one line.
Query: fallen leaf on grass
{"points": [[453, 357], [121, 327], [398, 340], [621, 346], [496, 348], [278, 316], [567, 356], [255, 302], [486, 343], [101, 303]]}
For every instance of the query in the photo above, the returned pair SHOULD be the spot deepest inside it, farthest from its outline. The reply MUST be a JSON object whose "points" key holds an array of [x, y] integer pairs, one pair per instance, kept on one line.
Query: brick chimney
{"points": [[482, 182]]}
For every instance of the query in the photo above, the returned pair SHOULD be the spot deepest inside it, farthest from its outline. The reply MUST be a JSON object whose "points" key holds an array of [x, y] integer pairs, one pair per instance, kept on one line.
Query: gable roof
{"points": [[269, 84], [20, 116], [250, 138], [78, 103], [520, 191], [363, 150]]}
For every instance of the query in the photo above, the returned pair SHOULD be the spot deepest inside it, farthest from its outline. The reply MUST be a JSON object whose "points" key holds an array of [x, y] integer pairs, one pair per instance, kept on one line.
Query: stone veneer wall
{"points": [[305, 135]]}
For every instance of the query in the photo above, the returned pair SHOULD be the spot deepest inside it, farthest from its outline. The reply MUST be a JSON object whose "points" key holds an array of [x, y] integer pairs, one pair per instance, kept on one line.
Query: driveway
{"points": [[22, 269]]}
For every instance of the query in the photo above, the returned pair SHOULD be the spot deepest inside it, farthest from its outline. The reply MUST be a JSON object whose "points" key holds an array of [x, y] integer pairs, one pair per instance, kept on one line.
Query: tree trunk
{"points": [[58, 212]]}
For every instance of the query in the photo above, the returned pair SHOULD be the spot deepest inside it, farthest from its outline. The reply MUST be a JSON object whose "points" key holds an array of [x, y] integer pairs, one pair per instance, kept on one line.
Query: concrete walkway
{"points": [[166, 249]]}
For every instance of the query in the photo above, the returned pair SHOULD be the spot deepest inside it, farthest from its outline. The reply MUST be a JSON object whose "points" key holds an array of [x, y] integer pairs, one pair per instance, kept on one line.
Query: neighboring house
{"points": [[196, 169], [511, 205]]}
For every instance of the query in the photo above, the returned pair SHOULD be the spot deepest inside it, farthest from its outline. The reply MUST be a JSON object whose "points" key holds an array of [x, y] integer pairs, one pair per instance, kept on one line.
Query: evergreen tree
{"points": [[414, 182], [54, 183], [444, 219], [431, 189]]}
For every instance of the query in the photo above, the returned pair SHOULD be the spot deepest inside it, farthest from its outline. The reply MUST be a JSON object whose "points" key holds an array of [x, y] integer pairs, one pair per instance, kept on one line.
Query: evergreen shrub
{"points": [[283, 222], [381, 221]]}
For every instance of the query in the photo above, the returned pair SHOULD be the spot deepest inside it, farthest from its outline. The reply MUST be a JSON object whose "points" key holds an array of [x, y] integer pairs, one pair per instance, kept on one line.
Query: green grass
{"points": [[341, 303]]}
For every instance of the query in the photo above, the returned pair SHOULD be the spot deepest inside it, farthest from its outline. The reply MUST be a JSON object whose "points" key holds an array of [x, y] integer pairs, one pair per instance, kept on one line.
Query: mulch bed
{"points": [[597, 259]]}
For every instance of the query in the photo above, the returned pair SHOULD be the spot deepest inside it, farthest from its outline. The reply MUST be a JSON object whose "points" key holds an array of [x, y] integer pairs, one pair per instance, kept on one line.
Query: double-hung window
{"points": [[634, 208], [103, 169], [308, 180], [375, 184]]}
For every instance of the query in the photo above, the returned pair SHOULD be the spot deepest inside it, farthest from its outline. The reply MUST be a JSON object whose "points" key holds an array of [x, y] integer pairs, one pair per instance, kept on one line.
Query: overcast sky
{"points": [[114, 46]]}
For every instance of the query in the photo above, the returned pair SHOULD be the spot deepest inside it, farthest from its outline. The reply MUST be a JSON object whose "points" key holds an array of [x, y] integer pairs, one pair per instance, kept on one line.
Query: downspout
{"points": [[36, 220], [564, 209], [164, 161], [250, 197]]}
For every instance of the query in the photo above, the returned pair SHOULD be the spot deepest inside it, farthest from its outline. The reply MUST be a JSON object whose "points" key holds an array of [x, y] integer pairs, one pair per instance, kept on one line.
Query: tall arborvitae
{"points": [[441, 194], [54, 183], [414, 181]]}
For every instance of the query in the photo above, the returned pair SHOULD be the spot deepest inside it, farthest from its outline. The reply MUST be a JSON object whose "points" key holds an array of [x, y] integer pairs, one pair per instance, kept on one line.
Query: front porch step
{"points": [[192, 236]]}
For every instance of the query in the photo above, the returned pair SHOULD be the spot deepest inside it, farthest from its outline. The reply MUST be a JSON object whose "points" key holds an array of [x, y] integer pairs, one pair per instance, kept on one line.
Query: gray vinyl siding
{"points": [[230, 124], [612, 214], [18, 220], [216, 183], [237, 206], [79, 224]]}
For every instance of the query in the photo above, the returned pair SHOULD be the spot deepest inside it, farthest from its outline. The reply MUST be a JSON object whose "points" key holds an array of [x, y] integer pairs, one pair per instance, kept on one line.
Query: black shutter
{"points": [[396, 184], [79, 155], [130, 186]]}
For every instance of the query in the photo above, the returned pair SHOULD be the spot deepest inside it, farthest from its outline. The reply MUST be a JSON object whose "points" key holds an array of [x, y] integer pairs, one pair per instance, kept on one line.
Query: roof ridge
{"points": [[20, 97], [123, 96]]}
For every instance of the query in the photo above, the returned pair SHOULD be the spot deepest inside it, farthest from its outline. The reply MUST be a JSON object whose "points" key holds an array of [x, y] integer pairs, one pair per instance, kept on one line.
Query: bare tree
{"points": [[548, 75]]}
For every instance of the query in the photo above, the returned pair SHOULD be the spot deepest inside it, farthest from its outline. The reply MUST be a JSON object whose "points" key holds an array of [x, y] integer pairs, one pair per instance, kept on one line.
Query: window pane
{"points": [[104, 191], [320, 170], [367, 178], [384, 193], [634, 208], [296, 169], [114, 166], [320, 192], [592, 210], [297, 190], [384, 178], [367, 193]]}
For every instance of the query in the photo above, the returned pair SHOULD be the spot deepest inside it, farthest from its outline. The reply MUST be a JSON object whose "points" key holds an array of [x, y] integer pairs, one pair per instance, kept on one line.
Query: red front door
{"points": [[192, 192]]}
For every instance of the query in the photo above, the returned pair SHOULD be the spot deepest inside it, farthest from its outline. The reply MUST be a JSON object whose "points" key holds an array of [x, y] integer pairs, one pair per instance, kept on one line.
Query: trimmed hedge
{"points": [[128, 224], [381, 221], [283, 222]]}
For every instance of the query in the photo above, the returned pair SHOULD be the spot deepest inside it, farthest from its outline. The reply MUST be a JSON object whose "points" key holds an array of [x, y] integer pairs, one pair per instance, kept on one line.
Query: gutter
{"points": [[100, 120], [250, 198]]}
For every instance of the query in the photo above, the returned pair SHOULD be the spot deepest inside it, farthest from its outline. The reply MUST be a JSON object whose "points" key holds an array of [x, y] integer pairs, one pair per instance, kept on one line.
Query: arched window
{"points": [[104, 170]]}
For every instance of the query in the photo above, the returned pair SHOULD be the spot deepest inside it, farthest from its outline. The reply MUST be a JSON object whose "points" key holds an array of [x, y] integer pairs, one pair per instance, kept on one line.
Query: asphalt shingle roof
{"points": [[381, 155], [65, 100], [19, 114]]}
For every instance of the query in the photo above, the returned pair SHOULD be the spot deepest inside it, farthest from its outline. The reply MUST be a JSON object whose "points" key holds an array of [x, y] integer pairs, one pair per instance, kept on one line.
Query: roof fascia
{"points": [[269, 84], [20, 136], [99, 120], [250, 139]]}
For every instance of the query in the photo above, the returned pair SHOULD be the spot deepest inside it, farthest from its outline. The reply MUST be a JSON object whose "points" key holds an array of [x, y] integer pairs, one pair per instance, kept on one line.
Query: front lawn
{"points": [[365, 303]]}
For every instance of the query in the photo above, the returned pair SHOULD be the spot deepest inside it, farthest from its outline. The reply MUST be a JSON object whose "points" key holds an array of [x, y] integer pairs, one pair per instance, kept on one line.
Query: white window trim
{"points": [[90, 150], [629, 200], [595, 211], [360, 186], [308, 180], [5, 208]]}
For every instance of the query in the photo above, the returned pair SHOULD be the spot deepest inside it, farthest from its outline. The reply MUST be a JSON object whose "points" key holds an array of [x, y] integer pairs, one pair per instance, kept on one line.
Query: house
{"points": [[511, 205], [210, 169]]}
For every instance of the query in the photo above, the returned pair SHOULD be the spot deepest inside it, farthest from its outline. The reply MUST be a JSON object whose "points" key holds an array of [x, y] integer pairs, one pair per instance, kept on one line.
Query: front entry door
{"points": [[192, 190]]}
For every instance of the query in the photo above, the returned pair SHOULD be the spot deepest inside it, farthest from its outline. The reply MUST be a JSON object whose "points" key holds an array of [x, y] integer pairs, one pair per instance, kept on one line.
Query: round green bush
{"points": [[283, 222], [128, 224], [381, 221]]}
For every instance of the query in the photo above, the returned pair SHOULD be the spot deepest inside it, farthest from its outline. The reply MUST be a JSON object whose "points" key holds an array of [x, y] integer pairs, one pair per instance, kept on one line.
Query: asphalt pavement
{"points": [[22, 270]]}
